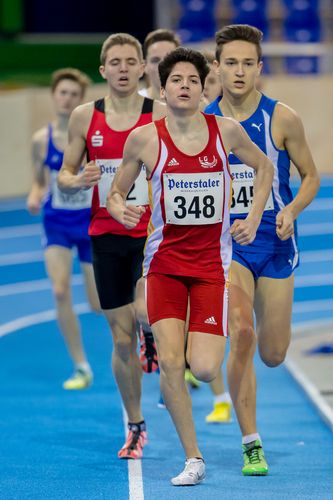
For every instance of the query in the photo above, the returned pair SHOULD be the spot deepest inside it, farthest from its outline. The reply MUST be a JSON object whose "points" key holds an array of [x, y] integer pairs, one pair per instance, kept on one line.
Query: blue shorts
{"points": [[66, 237], [267, 265]]}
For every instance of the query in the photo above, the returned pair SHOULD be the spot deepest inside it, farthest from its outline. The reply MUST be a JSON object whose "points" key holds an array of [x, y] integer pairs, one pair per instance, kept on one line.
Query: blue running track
{"points": [[63, 445]]}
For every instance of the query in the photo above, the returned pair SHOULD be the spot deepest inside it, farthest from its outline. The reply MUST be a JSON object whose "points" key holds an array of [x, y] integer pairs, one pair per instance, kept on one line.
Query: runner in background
{"points": [[65, 218]]}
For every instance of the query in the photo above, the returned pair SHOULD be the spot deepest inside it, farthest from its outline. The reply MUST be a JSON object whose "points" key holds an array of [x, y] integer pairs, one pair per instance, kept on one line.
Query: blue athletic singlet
{"points": [[60, 208], [66, 217], [258, 127]]}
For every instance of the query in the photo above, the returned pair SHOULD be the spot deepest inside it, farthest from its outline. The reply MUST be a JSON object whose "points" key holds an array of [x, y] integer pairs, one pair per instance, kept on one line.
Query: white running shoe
{"points": [[193, 473]]}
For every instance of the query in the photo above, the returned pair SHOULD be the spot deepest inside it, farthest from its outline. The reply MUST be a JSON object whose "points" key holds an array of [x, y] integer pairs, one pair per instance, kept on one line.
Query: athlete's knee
{"points": [[272, 358], [243, 340], [61, 292], [124, 347], [171, 364], [204, 373]]}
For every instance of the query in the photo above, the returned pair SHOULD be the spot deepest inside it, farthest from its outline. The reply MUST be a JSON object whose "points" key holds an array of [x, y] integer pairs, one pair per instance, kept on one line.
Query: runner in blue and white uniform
{"points": [[65, 218], [261, 273]]}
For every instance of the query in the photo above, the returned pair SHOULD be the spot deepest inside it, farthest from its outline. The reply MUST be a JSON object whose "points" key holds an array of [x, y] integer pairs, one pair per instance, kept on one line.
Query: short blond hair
{"points": [[120, 39], [70, 74]]}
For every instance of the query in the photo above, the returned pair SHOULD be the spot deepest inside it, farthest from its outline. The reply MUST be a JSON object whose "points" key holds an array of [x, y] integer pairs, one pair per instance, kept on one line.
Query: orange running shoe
{"points": [[135, 441], [148, 353]]}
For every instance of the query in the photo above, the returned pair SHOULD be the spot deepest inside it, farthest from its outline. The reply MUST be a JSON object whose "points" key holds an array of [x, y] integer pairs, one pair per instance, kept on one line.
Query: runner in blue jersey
{"points": [[65, 218], [261, 273]]}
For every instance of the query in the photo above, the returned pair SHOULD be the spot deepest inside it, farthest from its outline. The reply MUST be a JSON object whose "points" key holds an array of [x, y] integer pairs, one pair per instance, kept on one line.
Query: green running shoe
{"points": [[254, 459], [191, 380]]}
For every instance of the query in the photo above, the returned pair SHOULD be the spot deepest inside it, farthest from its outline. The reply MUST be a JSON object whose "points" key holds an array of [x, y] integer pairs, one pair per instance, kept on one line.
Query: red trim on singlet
{"points": [[112, 149]]}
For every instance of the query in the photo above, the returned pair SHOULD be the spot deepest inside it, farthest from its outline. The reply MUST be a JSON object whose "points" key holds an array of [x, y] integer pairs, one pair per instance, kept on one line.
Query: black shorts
{"points": [[117, 262]]}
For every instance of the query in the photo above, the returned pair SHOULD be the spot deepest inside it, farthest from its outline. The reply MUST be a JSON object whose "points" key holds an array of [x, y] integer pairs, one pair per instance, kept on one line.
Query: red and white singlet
{"points": [[188, 233], [105, 146]]}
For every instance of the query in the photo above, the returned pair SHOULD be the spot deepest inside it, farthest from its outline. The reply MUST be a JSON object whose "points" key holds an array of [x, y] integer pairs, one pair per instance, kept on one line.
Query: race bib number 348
{"points": [[191, 199]]}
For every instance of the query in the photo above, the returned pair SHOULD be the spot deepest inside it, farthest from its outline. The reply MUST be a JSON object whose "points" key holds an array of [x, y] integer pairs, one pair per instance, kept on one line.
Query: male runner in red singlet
{"points": [[100, 128], [188, 250]]}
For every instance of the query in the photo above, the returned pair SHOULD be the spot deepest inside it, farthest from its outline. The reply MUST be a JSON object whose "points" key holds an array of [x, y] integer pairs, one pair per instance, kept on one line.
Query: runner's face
{"points": [[155, 53], [183, 88], [67, 95], [122, 69], [239, 67], [212, 88]]}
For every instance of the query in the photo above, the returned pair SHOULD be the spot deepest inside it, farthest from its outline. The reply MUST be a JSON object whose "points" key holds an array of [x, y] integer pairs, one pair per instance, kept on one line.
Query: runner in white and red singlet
{"points": [[188, 250], [100, 128]]}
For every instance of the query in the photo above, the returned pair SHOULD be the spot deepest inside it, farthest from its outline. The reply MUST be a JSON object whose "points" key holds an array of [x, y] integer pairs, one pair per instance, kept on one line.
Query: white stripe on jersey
{"points": [[225, 240], [273, 155], [156, 211]]}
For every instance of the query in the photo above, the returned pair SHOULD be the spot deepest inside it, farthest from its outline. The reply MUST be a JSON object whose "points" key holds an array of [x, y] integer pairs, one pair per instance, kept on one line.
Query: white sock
{"points": [[249, 438], [84, 366], [222, 398]]}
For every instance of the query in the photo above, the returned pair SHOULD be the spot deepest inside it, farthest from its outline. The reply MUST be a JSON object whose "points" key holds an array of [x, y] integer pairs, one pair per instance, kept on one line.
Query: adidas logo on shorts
{"points": [[173, 162], [210, 321]]}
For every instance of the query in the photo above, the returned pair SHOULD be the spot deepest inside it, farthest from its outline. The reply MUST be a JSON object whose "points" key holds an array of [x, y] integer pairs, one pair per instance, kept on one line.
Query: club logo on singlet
{"points": [[205, 163], [97, 139]]}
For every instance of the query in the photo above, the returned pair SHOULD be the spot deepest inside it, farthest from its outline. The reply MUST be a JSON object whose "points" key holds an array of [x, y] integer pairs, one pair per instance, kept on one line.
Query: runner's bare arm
{"points": [[70, 178], [127, 173], [289, 123], [39, 183], [237, 140]]}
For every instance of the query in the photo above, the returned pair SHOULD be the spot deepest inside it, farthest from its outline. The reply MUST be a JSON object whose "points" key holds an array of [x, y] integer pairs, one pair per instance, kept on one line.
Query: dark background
{"points": [[98, 16]]}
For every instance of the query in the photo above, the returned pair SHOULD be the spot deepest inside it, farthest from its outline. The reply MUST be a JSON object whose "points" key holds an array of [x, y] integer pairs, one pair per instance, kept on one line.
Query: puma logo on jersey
{"points": [[255, 125], [97, 139], [210, 321], [205, 163], [173, 162]]}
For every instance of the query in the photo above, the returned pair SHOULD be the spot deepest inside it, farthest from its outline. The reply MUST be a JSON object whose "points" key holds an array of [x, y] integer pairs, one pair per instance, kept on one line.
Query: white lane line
{"points": [[6, 233], [314, 280], [135, 482], [316, 255], [320, 204], [77, 280], [34, 286], [312, 392], [315, 229], [37, 318], [8, 259], [308, 306], [305, 328]]}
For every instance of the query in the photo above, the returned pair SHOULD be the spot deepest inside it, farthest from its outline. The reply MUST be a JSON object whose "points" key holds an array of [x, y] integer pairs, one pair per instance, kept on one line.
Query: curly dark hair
{"points": [[182, 54]]}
